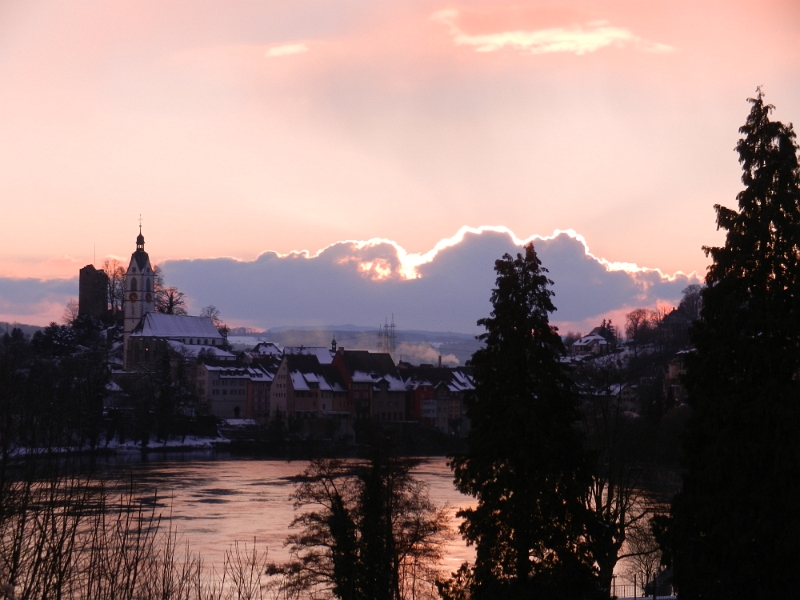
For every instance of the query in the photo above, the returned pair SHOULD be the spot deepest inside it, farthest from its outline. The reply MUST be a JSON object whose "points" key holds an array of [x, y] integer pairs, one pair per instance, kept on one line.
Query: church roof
{"points": [[141, 258], [176, 326]]}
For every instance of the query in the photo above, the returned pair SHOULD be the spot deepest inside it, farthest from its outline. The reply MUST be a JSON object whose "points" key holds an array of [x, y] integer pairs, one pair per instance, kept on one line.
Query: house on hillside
{"points": [[600, 340], [591, 344], [674, 392]]}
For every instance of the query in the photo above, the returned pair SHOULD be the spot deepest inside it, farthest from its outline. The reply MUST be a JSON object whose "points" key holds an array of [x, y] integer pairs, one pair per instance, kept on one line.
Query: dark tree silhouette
{"points": [[212, 312], [116, 285], [525, 462], [168, 299], [367, 531], [735, 527]]}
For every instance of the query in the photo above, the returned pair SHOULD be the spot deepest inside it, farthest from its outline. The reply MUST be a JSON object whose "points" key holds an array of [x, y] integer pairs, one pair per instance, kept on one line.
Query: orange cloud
{"points": [[576, 39], [286, 50]]}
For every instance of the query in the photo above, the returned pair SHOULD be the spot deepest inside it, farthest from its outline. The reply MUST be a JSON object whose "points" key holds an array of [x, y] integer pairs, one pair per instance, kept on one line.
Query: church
{"points": [[147, 333]]}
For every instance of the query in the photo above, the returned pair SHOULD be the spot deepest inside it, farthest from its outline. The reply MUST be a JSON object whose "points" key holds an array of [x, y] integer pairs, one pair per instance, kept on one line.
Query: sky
{"points": [[242, 132]]}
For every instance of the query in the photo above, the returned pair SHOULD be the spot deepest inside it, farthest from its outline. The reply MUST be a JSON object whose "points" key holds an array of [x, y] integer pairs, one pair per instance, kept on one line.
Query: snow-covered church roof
{"points": [[177, 327]]}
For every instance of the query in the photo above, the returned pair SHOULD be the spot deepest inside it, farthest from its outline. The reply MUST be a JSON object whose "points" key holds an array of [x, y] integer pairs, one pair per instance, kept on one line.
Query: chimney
{"points": [[440, 361]]}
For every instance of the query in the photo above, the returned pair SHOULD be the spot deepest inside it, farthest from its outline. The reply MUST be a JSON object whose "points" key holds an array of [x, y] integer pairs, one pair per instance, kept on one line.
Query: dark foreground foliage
{"points": [[734, 525], [525, 461]]}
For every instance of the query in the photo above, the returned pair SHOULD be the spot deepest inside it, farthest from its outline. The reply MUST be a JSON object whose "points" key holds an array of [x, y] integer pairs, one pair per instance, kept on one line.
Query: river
{"points": [[216, 500]]}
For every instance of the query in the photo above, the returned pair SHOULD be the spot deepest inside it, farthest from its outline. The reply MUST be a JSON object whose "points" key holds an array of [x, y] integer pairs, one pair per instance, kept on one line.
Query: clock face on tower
{"points": [[133, 297], [148, 297]]}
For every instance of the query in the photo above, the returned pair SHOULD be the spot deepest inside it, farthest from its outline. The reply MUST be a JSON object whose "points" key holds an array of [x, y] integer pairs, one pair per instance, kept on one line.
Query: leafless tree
{"points": [[616, 439], [168, 299], [171, 300], [212, 312], [571, 338], [67, 536], [369, 533], [692, 300], [70, 312], [637, 326], [116, 284], [642, 557]]}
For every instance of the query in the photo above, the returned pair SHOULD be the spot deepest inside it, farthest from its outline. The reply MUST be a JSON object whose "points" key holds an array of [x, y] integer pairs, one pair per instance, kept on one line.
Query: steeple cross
{"points": [[140, 222]]}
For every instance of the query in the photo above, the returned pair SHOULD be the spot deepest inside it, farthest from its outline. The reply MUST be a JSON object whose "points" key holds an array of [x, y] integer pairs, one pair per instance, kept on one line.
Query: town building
{"points": [[436, 396], [304, 387], [233, 392], [375, 389]]}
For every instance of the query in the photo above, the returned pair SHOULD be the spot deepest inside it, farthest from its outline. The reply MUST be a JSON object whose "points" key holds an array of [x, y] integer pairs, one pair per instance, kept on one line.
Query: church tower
{"points": [[139, 297]]}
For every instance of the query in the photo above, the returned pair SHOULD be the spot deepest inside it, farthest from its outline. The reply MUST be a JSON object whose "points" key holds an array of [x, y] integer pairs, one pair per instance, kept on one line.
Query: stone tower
{"points": [[92, 293], [139, 297]]}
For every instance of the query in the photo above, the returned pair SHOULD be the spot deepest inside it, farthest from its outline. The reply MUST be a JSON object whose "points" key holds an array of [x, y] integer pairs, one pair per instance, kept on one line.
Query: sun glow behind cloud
{"points": [[576, 39]]}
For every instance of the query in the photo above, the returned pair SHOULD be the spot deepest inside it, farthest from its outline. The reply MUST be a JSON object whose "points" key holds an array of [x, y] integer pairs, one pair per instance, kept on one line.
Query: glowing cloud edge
{"points": [[409, 261]]}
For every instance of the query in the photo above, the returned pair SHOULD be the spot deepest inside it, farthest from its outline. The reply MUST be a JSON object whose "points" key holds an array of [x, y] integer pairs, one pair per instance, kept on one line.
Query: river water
{"points": [[215, 501]]}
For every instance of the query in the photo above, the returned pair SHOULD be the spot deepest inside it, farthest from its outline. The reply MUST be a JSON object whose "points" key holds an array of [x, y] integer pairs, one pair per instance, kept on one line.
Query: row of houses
{"points": [[305, 383]]}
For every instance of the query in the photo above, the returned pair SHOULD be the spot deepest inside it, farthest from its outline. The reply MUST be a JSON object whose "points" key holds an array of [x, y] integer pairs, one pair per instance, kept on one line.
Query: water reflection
{"points": [[216, 501]]}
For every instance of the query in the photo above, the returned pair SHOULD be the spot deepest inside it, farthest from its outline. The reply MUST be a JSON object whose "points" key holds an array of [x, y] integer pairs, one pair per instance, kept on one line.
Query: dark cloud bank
{"points": [[451, 293], [340, 286]]}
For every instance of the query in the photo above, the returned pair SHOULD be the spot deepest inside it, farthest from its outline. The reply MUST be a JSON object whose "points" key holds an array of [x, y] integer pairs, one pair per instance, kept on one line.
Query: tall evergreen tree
{"points": [[735, 522], [525, 461]]}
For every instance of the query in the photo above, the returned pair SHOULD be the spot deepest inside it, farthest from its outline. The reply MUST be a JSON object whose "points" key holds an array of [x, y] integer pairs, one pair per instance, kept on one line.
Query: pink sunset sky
{"points": [[236, 128]]}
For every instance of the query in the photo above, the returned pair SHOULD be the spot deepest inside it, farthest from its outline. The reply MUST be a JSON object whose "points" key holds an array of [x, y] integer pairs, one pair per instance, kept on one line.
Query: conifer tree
{"points": [[525, 461], [735, 522]]}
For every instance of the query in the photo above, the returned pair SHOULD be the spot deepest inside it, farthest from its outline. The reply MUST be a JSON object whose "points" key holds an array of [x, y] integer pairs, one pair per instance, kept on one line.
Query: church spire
{"points": [[140, 237]]}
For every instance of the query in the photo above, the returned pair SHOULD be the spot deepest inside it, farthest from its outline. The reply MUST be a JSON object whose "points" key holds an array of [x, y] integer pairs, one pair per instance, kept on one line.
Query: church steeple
{"points": [[139, 296]]}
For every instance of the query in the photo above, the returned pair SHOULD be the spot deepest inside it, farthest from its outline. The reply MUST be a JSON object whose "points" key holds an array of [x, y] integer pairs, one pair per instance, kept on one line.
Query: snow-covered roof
{"points": [[253, 373], [591, 340], [456, 380], [324, 355], [194, 350], [298, 381], [461, 382], [176, 326], [268, 349], [240, 422], [306, 372], [113, 387]]}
